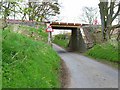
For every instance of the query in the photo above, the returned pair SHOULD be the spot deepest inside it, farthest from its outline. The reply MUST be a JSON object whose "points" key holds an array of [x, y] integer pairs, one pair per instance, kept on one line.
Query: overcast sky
{"points": [[71, 10]]}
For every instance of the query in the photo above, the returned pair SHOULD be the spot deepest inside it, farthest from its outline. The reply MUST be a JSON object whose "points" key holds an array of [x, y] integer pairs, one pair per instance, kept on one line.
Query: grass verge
{"points": [[28, 63], [0, 59], [105, 53]]}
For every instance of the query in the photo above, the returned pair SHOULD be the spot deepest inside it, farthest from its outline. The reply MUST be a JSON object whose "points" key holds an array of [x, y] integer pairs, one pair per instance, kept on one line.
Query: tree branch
{"points": [[116, 13]]}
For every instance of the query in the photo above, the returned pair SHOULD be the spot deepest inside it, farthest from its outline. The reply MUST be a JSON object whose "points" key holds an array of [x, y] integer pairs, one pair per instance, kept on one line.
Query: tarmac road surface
{"points": [[87, 73]]}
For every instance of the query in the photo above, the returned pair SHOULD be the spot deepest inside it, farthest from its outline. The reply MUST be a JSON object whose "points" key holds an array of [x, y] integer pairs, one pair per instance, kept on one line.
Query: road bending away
{"points": [[87, 73]]}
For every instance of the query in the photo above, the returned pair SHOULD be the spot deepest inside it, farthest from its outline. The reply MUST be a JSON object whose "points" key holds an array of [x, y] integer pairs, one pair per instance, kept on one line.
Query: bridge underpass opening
{"points": [[76, 42], [61, 36]]}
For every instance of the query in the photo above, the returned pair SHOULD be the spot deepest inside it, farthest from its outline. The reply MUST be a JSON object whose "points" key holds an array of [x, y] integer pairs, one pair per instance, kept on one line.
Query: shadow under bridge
{"points": [[76, 42]]}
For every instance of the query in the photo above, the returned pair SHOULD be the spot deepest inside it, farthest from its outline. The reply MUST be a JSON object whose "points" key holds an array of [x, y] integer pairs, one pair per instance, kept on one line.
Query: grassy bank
{"points": [[0, 59], [104, 52], [28, 63]]}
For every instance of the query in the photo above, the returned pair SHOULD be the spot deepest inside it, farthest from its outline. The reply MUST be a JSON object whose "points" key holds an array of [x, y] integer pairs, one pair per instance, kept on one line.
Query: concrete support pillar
{"points": [[73, 40], [76, 41]]}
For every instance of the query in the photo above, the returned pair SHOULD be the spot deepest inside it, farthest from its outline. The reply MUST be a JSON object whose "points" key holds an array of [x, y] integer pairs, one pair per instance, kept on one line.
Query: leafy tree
{"points": [[40, 11], [37, 11], [6, 9]]}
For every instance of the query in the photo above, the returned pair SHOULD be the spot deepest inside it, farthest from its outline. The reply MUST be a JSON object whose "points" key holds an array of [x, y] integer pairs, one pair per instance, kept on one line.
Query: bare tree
{"points": [[89, 15], [108, 15]]}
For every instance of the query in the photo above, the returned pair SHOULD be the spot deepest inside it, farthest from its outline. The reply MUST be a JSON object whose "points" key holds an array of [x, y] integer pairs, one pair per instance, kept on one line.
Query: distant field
{"points": [[61, 40], [62, 43]]}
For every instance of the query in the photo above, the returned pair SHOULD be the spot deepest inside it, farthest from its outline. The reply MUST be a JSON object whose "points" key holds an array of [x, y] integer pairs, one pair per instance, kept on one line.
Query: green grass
{"points": [[62, 43], [0, 59], [27, 29], [41, 30], [28, 63], [61, 40], [104, 52]]}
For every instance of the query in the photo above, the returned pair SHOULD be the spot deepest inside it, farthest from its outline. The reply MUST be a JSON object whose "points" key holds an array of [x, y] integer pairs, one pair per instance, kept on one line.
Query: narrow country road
{"points": [[87, 73]]}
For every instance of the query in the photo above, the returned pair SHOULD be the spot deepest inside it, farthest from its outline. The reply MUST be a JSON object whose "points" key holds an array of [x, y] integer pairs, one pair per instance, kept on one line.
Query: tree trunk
{"points": [[30, 16], [107, 17]]}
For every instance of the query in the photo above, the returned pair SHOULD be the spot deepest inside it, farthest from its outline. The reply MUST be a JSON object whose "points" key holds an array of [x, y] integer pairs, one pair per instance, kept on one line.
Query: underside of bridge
{"points": [[76, 42]]}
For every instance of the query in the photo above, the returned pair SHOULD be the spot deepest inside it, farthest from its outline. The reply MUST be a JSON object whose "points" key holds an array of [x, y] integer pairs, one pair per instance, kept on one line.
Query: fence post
{"points": [[50, 38]]}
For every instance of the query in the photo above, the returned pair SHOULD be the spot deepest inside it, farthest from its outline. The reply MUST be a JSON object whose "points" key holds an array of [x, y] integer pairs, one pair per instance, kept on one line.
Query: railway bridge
{"points": [[76, 42]]}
